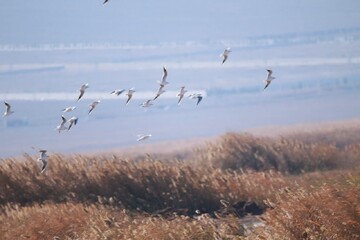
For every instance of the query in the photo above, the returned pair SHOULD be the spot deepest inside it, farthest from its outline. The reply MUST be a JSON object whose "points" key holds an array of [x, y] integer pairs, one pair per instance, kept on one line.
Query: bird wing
{"points": [[164, 75], [44, 162], [199, 99], [267, 84], [82, 91], [8, 106]]}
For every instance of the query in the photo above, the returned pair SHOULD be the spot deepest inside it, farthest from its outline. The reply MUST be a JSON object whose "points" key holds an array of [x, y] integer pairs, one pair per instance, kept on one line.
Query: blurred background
{"points": [[49, 49]]}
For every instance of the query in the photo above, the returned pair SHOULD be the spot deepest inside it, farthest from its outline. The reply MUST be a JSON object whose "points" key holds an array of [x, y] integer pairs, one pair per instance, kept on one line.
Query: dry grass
{"points": [[288, 155], [111, 197], [76, 221], [329, 212]]}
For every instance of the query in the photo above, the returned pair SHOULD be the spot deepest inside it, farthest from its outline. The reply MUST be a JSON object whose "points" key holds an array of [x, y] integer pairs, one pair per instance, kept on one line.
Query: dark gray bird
{"points": [[105, 2]]}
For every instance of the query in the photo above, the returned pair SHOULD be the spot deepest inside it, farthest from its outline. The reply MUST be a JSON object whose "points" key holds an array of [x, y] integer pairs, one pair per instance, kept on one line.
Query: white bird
{"points": [[225, 54], [72, 121], [146, 104], [159, 92], [129, 94], [269, 78], [197, 96], [181, 94], [43, 158], [163, 81], [117, 92], [82, 90], [7, 110], [68, 109], [142, 137], [62, 124], [93, 105]]}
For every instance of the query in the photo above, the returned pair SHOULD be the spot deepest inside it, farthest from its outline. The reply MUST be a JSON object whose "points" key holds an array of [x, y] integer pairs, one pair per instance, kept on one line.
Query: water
{"points": [[317, 80]]}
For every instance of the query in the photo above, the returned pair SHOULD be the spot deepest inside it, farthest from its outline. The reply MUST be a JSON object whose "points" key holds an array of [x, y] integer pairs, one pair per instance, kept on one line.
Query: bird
{"points": [[129, 94], [68, 109], [62, 124], [181, 94], [225, 54], [142, 137], [82, 90], [159, 92], [105, 2], [7, 110], [43, 158], [197, 96], [146, 104], [117, 92], [93, 105], [163, 81], [269, 78], [72, 121]]}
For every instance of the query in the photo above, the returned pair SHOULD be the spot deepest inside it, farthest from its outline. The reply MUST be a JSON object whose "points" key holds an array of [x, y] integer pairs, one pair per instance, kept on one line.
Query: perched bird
{"points": [[181, 94], [62, 124], [159, 92], [82, 90], [43, 158], [163, 81], [225, 54], [93, 105], [117, 92], [72, 121], [7, 110], [142, 137], [147, 103], [105, 2], [197, 96], [68, 109], [269, 78], [129, 94]]}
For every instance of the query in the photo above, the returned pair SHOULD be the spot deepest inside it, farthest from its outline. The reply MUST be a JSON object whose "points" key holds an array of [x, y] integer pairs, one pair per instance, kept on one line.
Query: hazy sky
{"points": [[37, 22]]}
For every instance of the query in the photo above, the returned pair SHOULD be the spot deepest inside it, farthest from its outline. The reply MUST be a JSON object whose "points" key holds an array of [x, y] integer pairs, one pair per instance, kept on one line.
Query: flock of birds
{"points": [[74, 120]]}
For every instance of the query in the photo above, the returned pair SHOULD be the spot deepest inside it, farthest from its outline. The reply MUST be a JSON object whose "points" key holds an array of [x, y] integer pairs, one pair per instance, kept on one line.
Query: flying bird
{"points": [[72, 121], [163, 81], [68, 109], [269, 78], [43, 158], [142, 137], [147, 103], [117, 92], [7, 110], [197, 96], [62, 124], [181, 94], [225, 54], [129, 94], [105, 2], [159, 92], [93, 105], [82, 90]]}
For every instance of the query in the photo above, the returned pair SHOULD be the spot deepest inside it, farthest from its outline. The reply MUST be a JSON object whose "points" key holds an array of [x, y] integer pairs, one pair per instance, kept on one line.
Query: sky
{"points": [[67, 21]]}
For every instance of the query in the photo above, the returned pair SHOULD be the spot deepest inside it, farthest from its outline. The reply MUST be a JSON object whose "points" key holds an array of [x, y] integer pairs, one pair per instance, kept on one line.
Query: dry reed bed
{"points": [[329, 212], [287, 155], [146, 185], [108, 197], [77, 221]]}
